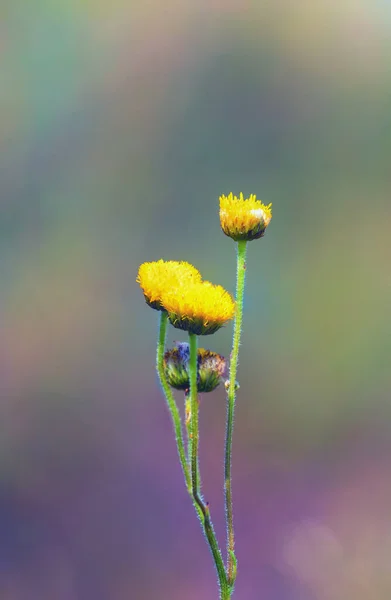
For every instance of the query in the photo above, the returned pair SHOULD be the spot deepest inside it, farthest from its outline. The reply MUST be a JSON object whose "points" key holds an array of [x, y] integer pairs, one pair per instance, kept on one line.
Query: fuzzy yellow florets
{"points": [[157, 277], [244, 218], [198, 307]]}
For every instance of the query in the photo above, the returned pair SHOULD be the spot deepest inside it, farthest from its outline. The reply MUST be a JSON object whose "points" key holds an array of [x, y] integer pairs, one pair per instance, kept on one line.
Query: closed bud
{"points": [[211, 368], [244, 219]]}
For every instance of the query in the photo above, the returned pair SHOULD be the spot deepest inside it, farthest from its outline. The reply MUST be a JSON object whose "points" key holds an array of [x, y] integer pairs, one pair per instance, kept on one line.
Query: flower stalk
{"points": [[172, 407], [231, 397], [195, 478]]}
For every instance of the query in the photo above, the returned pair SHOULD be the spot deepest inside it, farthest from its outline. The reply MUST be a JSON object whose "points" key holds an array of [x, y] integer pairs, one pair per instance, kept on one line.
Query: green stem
{"points": [[225, 591], [194, 413], [188, 426], [172, 407], [231, 396]]}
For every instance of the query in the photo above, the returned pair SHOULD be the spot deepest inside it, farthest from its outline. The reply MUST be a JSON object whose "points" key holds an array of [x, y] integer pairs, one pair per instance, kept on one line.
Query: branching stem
{"points": [[172, 407], [225, 591]]}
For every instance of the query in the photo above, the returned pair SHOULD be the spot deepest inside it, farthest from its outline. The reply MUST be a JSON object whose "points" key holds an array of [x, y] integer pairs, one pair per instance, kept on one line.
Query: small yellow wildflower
{"points": [[198, 307], [244, 218], [156, 277]]}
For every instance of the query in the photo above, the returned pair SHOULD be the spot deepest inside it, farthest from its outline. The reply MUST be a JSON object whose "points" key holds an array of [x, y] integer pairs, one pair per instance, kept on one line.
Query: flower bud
{"points": [[211, 368], [175, 364], [244, 218]]}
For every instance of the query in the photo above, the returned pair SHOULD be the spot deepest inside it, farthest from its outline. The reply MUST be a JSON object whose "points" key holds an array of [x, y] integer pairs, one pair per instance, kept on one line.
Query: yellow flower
{"points": [[244, 218], [159, 276], [198, 307]]}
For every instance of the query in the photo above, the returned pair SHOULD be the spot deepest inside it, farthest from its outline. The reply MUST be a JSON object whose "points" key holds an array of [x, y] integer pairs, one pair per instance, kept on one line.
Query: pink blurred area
{"points": [[120, 125]]}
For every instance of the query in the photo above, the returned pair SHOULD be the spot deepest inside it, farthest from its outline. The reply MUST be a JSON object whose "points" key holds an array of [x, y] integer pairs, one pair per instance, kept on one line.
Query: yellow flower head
{"points": [[244, 218], [198, 307], [159, 276]]}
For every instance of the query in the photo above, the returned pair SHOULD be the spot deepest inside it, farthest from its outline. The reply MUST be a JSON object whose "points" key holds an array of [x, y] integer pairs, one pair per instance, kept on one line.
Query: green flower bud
{"points": [[211, 368], [175, 364]]}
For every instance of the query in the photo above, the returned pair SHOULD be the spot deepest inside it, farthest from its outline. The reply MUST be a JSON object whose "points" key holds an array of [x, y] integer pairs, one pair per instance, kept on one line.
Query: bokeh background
{"points": [[120, 125]]}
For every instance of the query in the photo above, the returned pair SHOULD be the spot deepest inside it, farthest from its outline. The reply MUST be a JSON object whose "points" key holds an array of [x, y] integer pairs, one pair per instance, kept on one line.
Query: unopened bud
{"points": [[211, 368]]}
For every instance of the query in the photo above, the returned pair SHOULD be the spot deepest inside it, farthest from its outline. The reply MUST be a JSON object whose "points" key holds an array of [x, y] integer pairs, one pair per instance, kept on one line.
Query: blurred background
{"points": [[121, 123]]}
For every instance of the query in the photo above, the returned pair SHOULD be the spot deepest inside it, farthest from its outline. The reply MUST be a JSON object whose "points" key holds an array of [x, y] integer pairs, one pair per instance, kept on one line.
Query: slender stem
{"points": [[231, 396], [188, 426], [225, 591], [191, 476], [194, 413], [172, 407]]}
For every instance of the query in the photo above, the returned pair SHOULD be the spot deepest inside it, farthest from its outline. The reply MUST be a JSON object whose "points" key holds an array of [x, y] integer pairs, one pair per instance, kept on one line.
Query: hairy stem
{"points": [[172, 407], [188, 426], [231, 396], [225, 592]]}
